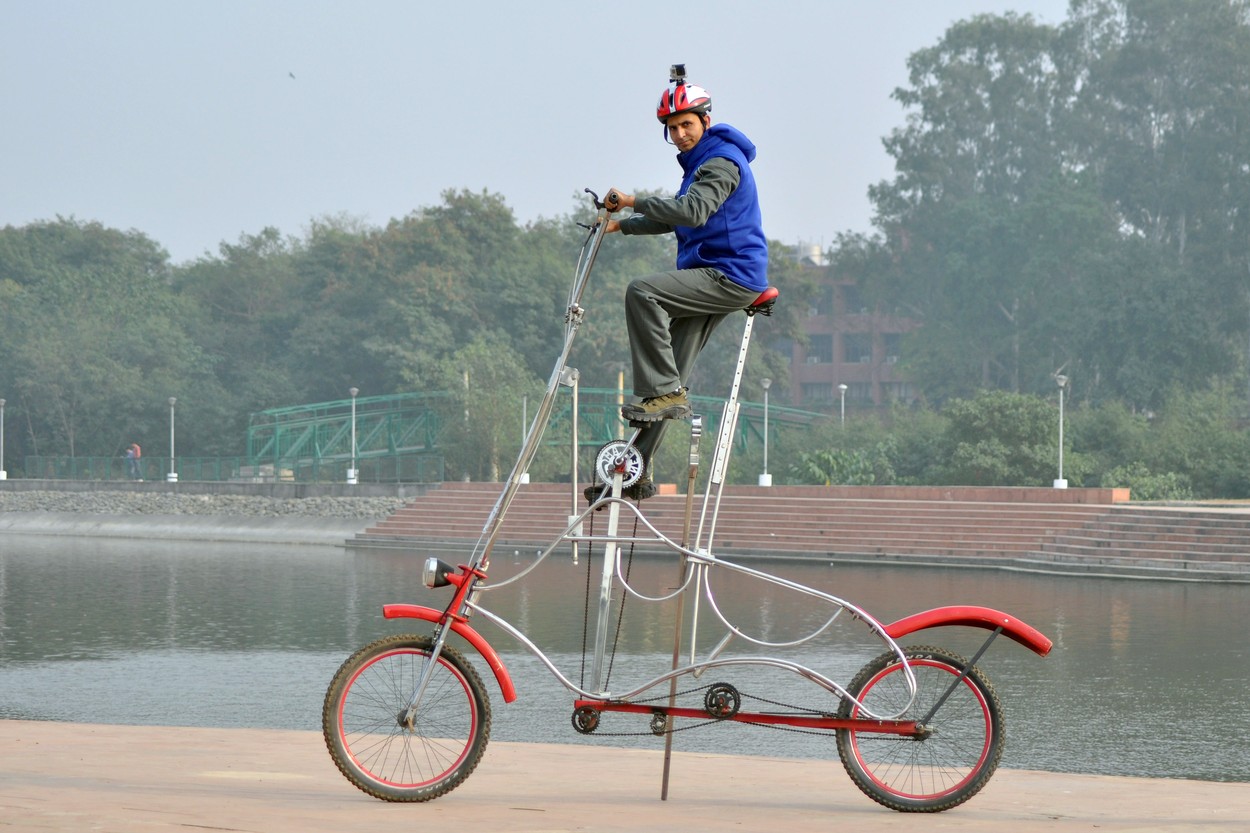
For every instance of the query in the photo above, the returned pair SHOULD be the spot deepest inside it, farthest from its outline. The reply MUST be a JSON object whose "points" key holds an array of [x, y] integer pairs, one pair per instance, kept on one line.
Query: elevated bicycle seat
{"points": [[764, 303]]}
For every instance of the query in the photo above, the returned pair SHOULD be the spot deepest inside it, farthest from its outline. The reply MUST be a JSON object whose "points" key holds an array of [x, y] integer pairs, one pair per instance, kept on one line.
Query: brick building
{"points": [[849, 344]]}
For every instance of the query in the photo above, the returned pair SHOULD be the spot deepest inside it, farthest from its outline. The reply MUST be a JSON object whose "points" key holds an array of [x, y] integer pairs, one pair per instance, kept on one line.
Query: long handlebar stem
{"points": [[573, 319]]}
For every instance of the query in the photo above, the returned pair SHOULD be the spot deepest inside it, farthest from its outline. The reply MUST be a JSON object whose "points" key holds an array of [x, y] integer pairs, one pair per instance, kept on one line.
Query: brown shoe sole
{"points": [[636, 414]]}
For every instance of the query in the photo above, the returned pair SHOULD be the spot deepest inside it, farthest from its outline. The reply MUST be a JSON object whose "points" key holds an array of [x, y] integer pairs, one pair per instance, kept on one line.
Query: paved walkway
{"points": [[129, 779]]}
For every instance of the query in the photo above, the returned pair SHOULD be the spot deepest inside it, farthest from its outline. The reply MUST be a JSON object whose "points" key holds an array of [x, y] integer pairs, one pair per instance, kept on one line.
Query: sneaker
{"points": [[641, 490], [673, 405]]}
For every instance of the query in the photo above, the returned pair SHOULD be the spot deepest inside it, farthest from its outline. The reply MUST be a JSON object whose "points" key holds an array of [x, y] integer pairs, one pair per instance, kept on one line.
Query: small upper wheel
{"points": [[622, 454]]}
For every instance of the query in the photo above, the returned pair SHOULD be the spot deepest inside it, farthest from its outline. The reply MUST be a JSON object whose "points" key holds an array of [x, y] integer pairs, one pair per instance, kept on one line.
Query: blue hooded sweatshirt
{"points": [[732, 240]]}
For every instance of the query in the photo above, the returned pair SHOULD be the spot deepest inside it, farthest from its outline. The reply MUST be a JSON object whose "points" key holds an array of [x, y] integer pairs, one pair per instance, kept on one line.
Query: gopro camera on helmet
{"points": [[680, 96]]}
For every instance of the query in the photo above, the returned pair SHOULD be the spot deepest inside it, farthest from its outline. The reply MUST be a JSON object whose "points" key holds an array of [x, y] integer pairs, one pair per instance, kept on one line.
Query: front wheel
{"points": [[386, 756], [952, 761]]}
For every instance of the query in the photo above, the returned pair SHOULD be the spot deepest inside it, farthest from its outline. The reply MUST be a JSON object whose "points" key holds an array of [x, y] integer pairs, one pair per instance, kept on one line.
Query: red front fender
{"points": [[429, 614], [973, 617]]}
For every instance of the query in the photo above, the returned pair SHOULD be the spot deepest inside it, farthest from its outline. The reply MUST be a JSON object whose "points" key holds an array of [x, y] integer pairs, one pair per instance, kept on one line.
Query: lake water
{"points": [[1146, 678]]}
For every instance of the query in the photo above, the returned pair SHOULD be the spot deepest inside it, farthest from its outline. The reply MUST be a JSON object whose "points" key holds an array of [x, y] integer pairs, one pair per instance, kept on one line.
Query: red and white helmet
{"points": [[681, 97]]}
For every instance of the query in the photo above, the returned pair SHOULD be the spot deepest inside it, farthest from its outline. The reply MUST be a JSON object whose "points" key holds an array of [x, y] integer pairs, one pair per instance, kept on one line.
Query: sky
{"points": [[197, 122]]}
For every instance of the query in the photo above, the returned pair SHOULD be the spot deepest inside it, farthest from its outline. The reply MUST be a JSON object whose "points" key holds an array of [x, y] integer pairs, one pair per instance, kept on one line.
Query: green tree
{"points": [[1198, 438], [1073, 197], [1144, 484], [970, 217], [1161, 116], [92, 341], [453, 272], [241, 307], [487, 380], [1108, 436], [1001, 439]]}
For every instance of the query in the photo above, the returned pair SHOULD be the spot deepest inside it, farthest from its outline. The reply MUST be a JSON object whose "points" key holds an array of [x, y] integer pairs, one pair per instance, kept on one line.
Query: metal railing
{"points": [[397, 440]]}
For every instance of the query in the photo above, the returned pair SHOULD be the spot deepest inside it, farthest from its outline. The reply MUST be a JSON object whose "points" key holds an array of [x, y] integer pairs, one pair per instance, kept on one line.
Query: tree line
{"points": [[1072, 199], [1067, 200], [98, 329]]}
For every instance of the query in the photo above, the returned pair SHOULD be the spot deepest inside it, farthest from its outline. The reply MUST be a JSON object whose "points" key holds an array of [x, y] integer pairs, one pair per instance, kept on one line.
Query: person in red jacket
{"points": [[133, 453]]}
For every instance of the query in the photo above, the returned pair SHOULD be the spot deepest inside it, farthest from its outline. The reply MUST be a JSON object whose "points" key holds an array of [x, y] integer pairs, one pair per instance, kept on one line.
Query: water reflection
{"points": [[1146, 678]]}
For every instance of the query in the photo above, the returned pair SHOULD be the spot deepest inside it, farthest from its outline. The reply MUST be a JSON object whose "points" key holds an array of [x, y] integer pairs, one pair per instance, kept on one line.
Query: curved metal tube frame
{"points": [[698, 561], [702, 564]]}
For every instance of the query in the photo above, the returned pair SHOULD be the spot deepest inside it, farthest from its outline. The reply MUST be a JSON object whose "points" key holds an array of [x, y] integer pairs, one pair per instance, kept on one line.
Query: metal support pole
{"points": [[1062, 381]]}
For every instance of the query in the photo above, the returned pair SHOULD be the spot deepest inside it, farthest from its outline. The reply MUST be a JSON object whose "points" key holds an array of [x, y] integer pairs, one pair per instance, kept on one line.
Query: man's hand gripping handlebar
{"points": [[613, 202]]}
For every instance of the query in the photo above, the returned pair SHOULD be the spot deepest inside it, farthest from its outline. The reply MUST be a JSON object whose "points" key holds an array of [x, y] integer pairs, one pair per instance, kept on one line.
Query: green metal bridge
{"points": [[398, 438]]}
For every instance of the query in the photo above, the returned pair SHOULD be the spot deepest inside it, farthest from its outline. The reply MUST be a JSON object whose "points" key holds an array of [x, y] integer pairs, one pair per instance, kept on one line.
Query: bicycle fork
{"points": [[465, 593]]}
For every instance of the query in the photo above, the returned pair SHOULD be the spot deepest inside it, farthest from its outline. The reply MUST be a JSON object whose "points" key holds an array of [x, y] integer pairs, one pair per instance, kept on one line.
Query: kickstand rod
{"points": [[696, 431]]}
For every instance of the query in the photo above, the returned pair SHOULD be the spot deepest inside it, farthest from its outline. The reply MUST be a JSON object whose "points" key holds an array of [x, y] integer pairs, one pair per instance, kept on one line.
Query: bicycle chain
{"points": [[713, 721]]}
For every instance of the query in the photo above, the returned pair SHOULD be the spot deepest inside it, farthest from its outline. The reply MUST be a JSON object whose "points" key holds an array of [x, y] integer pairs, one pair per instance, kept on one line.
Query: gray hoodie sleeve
{"points": [[713, 182]]}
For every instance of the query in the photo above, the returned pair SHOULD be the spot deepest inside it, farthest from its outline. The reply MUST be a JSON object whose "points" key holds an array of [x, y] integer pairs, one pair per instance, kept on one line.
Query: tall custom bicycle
{"points": [[918, 728]]}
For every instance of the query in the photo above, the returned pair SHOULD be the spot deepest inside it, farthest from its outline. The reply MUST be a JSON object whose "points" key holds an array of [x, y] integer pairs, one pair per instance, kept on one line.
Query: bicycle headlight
{"points": [[435, 572]]}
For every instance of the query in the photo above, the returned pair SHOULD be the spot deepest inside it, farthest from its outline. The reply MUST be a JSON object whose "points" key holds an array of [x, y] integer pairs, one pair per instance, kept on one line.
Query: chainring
{"points": [[619, 452], [722, 701], [585, 719]]}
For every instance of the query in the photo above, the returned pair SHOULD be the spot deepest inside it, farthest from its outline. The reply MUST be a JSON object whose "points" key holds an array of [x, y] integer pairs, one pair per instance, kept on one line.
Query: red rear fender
{"points": [[973, 617]]}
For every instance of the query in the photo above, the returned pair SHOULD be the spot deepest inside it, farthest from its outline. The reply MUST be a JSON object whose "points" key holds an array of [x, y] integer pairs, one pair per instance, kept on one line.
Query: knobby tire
{"points": [[360, 720], [933, 773]]}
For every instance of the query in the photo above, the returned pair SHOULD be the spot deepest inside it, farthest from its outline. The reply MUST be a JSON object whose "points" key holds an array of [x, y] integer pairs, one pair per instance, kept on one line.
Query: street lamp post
{"points": [[352, 473], [172, 477], [842, 407], [1062, 381], [4, 475], [766, 479]]}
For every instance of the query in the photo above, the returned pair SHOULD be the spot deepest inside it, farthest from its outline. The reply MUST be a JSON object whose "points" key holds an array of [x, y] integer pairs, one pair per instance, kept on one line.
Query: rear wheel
{"points": [[396, 761], [950, 763]]}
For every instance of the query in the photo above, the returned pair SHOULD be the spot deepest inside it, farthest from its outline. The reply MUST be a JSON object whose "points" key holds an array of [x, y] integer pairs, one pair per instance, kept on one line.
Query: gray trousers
{"points": [[670, 316]]}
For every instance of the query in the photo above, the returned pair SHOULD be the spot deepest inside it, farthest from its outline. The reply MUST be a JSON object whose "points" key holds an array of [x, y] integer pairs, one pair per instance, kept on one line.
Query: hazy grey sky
{"points": [[195, 122]]}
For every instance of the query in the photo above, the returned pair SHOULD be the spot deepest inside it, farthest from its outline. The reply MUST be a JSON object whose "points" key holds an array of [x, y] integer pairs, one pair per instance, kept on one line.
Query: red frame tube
{"points": [[803, 721]]}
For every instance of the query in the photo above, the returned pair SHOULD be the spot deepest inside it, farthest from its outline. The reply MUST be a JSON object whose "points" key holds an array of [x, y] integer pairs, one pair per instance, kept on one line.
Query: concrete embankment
{"points": [[67, 778], [233, 528], [163, 513]]}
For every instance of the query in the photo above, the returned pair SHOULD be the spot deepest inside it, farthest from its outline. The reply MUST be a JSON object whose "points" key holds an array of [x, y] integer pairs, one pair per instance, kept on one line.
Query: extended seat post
{"points": [[728, 424]]}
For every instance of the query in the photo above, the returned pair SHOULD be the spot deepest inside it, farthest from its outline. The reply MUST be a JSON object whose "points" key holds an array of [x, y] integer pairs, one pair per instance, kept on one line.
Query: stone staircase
{"points": [[1165, 541], [1078, 531]]}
